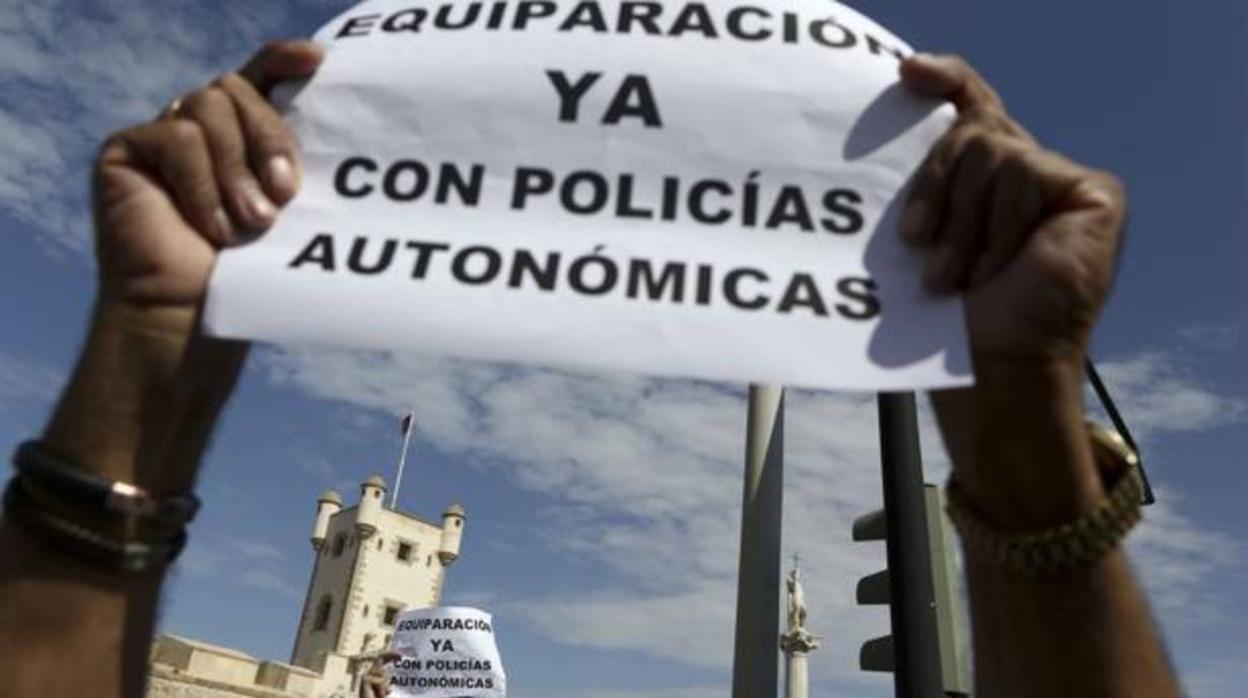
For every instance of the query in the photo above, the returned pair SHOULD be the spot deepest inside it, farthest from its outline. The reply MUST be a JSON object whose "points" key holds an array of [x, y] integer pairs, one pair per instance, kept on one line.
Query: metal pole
{"points": [[398, 479], [916, 642], [757, 648]]}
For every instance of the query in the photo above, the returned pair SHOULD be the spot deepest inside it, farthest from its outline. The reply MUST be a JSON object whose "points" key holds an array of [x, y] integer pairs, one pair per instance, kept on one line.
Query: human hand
{"points": [[168, 196], [1030, 236], [209, 173], [375, 683], [1032, 240]]}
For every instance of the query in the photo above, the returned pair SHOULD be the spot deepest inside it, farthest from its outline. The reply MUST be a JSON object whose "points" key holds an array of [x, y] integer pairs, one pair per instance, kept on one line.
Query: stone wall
{"points": [[163, 683], [184, 668]]}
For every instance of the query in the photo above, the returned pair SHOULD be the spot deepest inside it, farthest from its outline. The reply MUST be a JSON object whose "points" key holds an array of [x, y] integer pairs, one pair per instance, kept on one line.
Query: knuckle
{"points": [[987, 115], [950, 151], [231, 83], [1011, 127], [1013, 169], [114, 144], [947, 151], [956, 61], [184, 132], [1111, 186], [1113, 183], [980, 148], [271, 48], [204, 100], [194, 101]]}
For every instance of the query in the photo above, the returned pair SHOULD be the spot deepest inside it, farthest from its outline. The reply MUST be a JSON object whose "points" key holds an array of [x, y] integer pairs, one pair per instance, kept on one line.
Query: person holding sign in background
{"points": [[376, 681], [1028, 236]]}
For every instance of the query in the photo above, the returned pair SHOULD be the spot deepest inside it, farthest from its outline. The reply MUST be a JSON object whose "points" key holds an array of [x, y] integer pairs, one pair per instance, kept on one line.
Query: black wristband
{"points": [[81, 543], [78, 487]]}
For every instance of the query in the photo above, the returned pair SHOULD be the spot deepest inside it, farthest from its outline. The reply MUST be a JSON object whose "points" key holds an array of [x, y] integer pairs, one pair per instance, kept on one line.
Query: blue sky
{"points": [[603, 509]]}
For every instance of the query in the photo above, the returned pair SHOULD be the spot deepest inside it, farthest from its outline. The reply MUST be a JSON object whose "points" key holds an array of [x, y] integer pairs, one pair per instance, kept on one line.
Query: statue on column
{"points": [[797, 638], [797, 602]]}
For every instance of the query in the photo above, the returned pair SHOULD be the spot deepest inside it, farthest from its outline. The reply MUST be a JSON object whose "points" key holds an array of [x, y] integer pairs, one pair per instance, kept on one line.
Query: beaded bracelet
{"points": [[1080, 543]]}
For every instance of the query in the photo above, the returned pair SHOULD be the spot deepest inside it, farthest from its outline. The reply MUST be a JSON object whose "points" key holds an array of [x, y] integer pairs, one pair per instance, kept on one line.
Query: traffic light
{"points": [[879, 654]]}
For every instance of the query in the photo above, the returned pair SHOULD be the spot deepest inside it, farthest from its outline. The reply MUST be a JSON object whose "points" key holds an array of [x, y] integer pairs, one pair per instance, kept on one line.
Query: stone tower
{"points": [[371, 563]]}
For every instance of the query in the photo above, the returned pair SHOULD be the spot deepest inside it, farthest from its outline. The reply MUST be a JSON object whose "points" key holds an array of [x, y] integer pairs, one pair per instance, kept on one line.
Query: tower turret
{"points": [[328, 504], [372, 500], [452, 532]]}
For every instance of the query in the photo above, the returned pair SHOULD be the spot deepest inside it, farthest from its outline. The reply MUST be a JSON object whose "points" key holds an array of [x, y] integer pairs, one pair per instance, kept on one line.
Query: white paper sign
{"points": [[706, 190], [446, 652]]}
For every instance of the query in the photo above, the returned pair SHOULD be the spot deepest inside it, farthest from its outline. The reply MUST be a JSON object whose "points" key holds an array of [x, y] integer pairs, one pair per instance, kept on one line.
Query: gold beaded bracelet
{"points": [[1080, 543]]}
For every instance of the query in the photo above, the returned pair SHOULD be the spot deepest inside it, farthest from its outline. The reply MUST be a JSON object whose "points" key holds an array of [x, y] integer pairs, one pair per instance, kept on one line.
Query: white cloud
{"points": [[269, 580], [1220, 677], [241, 562], [644, 476], [259, 550], [1212, 336], [1179, 562], [71, 77], [1157, 393], [647, 478]]}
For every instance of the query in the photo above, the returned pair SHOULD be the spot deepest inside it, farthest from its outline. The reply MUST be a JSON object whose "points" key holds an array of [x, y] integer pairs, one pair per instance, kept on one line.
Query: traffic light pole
{"points": [[915, 636]]}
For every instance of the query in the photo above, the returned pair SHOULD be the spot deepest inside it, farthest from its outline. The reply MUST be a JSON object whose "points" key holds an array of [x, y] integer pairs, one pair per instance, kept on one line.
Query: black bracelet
{"points": [[75, 485], [84, 544], [42, 473]]}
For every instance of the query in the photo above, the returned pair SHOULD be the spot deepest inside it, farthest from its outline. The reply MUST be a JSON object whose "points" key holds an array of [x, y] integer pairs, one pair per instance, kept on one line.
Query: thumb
{"points": [[950, 78], [280, 61]]}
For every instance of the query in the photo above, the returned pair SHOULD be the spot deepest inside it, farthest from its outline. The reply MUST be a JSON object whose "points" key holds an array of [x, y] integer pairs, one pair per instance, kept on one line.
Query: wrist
{"points": [[144, 377], [1018, 442]]}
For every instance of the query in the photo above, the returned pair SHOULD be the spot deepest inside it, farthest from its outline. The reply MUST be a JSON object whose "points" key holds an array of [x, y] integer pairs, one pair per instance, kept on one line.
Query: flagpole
{"points": [[398, 479]]}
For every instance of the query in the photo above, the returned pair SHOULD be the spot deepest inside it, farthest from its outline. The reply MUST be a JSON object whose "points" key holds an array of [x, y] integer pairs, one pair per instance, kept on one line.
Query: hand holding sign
{"points": [[446, 652], [376, 681], [204, 176], [684, 190], [220, 187], [1031, 236]]}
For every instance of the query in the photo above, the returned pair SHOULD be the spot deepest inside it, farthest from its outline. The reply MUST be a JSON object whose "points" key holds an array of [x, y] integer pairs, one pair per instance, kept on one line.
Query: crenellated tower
{"points": [[372, 562]]}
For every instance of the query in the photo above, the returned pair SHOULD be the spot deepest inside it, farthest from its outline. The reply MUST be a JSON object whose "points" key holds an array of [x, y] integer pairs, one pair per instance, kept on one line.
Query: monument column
{"points": [[796, 642]]}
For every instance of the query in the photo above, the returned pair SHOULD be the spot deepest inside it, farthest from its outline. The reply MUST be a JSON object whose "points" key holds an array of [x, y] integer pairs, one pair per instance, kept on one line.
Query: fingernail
{"points": [[260, 211], [280, 174], [937, 275], [913, 222], [225, 228]]}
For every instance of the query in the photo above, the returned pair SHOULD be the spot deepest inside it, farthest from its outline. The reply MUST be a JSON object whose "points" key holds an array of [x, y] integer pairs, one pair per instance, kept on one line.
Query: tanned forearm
{"points": [[144, 396], [1023, 458], [169, 195], [137, 409]]}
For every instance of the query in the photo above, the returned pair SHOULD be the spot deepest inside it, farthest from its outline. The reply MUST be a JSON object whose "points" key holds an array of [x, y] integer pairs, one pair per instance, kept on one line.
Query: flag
{"points": [[408, 420]]}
